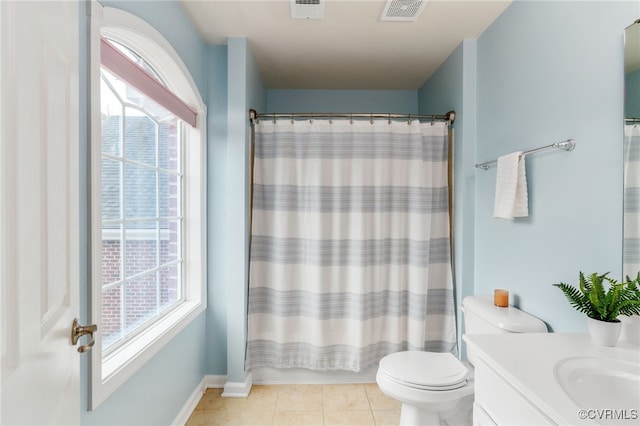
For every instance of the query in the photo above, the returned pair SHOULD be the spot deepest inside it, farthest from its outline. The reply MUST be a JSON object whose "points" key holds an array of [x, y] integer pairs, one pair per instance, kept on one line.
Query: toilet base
{"points": [[410, 415], [459, 415]]}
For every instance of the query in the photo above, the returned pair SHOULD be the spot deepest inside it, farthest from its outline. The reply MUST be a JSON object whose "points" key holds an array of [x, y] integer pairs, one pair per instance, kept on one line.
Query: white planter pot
{"points": [[604, 333]]}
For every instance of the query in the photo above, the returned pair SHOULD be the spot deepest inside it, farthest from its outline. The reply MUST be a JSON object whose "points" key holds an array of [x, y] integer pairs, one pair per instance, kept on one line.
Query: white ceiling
{"points": [[350, 48]]}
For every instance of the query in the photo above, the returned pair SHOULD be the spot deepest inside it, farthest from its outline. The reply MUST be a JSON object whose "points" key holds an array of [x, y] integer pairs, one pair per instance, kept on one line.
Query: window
{"points": [[148, 198], [141, 211]]}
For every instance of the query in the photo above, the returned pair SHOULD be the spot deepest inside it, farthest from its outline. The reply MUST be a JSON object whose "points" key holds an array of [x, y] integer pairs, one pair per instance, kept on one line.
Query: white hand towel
{"points": [[511, 187]]}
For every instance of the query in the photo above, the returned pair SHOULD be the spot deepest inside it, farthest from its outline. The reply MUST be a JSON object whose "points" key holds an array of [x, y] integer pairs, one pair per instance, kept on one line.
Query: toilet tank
{"points": [[481, 316]]}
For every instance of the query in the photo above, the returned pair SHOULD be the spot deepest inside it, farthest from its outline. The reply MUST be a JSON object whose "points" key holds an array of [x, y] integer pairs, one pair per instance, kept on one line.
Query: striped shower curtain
{"points": [[631, 259], [350, 248]]}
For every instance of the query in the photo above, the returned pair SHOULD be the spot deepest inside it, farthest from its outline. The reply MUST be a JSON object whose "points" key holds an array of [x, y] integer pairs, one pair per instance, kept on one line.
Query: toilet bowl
{"points": [[437, 388], [434, 388]]}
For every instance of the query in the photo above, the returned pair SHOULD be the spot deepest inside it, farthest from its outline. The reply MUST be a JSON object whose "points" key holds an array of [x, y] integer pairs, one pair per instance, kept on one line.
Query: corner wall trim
{"points": [[190, 405], [238, 389]]}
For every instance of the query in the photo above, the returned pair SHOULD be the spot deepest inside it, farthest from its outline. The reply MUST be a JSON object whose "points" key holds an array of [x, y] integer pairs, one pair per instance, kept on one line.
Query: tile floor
{"points": [[304, 405]]}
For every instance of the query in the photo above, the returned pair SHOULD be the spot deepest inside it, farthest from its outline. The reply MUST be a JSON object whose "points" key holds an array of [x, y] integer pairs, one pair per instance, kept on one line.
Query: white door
{"points": [[39, 211]]}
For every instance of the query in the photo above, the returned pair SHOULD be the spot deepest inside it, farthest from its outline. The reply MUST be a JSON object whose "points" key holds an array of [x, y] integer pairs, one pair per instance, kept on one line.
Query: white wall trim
{"points": [[214, 382], [189, 406], [207, 382], [238, 389]]}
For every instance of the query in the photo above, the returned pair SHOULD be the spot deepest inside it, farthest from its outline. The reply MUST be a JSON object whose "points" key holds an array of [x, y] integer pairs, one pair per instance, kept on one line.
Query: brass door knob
{"points": [[77, 331]]}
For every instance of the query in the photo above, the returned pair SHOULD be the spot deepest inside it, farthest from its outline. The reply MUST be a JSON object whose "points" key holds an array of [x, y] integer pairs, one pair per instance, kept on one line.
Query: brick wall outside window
{"points": [[141, 293]]}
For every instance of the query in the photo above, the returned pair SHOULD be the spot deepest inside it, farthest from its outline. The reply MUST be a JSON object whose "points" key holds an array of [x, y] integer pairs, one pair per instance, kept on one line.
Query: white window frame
{"points": [[108, 374]]}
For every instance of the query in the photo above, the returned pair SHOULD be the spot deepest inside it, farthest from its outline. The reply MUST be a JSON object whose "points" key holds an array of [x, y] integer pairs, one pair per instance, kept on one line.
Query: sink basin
{"points": [[599, 383]]}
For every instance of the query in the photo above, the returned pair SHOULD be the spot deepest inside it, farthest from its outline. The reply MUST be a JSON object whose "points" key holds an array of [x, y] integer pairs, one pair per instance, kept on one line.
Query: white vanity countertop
{"points": [[527, 361]]}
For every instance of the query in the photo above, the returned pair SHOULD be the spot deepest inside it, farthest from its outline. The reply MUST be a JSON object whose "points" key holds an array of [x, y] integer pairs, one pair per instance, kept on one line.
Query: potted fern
{"points": [[603, 305]]}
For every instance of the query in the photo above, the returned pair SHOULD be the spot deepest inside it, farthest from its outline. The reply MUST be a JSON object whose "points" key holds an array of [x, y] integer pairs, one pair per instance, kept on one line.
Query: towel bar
{"points": [[567, 145]]}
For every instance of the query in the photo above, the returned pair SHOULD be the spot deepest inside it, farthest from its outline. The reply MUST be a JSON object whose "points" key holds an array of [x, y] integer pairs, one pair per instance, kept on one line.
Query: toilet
{"points": [[436, 388]]}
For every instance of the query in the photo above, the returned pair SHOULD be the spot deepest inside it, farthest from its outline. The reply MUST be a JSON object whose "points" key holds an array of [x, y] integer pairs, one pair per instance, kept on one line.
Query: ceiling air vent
{"points": [[307, 9], [403, 10]]}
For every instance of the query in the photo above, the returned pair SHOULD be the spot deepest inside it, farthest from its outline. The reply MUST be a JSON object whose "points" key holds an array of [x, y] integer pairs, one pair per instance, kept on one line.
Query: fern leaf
{"points": [[584, 285], [576, 298], [629, 307], [598, 302], [598, 288]]}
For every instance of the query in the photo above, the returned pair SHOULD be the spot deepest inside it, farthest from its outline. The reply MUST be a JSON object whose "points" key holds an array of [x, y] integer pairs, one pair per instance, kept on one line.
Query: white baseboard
{"points": [[184, 414], [238, 389], [214, 382]]}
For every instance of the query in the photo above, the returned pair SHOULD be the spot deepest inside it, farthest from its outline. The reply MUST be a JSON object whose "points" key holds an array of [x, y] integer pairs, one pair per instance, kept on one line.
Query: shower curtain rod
{"points": [[632, 120], [254, 116], [567, 145]]}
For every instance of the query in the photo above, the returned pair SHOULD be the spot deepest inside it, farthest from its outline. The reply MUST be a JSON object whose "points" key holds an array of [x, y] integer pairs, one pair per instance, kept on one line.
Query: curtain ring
{"points": [[409, 120], [433, 120], [292, 120], [389, 118], [330, 118], [274, 118], [371, 119], [351, 119]]}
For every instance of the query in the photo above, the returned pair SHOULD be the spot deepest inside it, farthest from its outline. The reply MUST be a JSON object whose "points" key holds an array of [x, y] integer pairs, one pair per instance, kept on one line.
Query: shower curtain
{"points": [[631, 226], [350, 248]]}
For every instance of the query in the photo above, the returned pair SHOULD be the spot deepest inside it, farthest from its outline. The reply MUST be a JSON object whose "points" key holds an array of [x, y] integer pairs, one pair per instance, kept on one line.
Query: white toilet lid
{"points": [[420, 369]]}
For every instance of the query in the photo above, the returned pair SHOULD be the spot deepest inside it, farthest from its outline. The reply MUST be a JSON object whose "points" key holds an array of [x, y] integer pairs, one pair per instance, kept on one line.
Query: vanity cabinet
{"points": [[517, 382], [499, 403]]}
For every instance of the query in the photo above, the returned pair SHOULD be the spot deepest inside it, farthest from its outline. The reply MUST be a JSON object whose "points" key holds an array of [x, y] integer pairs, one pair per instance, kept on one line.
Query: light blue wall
{"points": [[632, 102], [217, 204], [395, 101], [541, 73], [157, 392], [246, 91], [452, 88], [549, 71]]}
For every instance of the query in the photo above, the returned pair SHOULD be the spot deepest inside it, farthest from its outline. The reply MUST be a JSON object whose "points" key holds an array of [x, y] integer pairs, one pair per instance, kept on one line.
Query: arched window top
{"points": [[137, 59], [143, 40], [146, 82]]}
